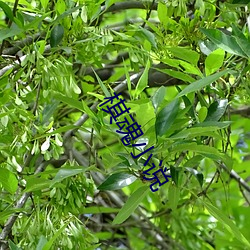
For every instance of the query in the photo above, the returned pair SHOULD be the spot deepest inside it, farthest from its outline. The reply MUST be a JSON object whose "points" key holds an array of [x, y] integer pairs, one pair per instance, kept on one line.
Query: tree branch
{"points": [[21, 44]]}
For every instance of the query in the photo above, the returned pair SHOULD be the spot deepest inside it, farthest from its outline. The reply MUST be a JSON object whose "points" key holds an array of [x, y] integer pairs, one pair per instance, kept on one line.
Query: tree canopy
{"points": [[124, 124]]}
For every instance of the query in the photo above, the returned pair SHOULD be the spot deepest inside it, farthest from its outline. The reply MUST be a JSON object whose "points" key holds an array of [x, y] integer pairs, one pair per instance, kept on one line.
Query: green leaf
{"points": [[41, 243], [13, 246], [143, 81], [219, 125], [66, 172], [9, 211], [8, 180], [244, 45], [197, 85], [98, 210], [49, 110], [198, 175], [193, 132], [9, 32], [34, 183], [56, 35], [49, 244], [202, 114], [117, 181], [44, 3], [147, 35], [189, 68], [158, 97], [132, 203], [216, 110], [166, 117], [175, 174], [104, 89], [214, 61], [223, 41], [177, 74], [186, 54], [194, 161], [162, 12], [70, 101], [238, 33], [227, 223], [7, 10], [173, 196]]}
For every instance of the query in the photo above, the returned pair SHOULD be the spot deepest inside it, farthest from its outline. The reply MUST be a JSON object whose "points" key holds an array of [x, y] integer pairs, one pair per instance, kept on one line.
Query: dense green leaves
{"points": [[59, 59]]}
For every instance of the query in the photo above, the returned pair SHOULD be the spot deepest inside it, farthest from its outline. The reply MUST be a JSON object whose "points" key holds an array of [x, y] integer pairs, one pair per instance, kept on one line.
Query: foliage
{"points": [[66, 179]]}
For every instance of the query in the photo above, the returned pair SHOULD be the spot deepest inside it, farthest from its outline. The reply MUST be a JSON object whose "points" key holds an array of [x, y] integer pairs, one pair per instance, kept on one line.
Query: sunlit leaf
{"points": [[214, 61], [185, 54]]}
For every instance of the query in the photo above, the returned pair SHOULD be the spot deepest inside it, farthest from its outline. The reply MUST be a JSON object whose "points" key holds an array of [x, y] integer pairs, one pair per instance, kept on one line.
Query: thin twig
{"points": [[148, 14], [37, 97]]}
